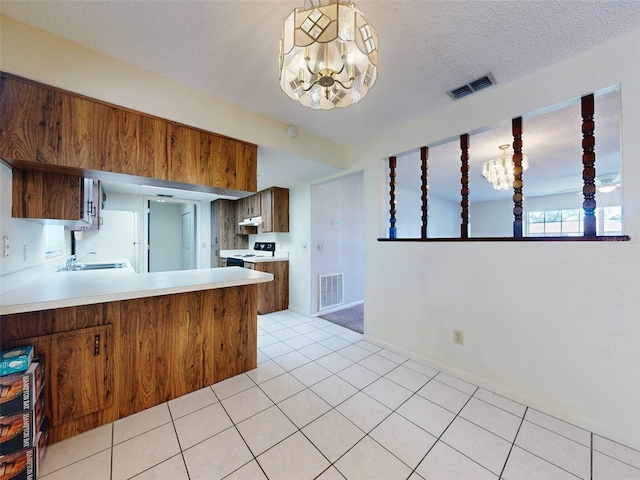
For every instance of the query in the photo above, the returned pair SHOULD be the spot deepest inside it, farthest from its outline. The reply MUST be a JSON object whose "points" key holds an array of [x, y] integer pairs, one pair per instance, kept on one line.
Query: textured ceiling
{"points": [[230, 48]]}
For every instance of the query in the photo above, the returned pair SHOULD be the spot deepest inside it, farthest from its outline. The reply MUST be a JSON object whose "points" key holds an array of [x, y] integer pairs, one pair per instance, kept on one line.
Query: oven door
{"points": [[234, 262]]}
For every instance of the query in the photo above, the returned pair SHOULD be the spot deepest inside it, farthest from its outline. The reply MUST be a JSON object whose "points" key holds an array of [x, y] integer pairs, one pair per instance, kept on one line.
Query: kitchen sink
{"points": [[95, 266]]}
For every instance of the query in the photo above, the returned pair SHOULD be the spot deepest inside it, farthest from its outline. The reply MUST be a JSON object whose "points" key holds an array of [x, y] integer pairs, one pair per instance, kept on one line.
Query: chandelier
{"points": [[328, 55], [500, 171]]}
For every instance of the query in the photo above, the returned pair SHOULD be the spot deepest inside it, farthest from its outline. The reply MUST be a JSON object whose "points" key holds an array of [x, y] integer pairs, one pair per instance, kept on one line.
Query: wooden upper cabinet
{"points": [[275, 210], [40, 195], [116, 141], [44, 126], [48, 126], [246, 167], [153, 147], [183, 159]]}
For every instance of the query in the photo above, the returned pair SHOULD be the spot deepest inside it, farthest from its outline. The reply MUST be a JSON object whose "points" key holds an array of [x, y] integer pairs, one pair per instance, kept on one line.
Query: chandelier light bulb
{"points": [[500, 171]]}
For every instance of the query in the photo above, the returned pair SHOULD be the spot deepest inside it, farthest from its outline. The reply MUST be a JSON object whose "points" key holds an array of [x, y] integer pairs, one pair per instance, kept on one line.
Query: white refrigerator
{"points": [[118, 239]]}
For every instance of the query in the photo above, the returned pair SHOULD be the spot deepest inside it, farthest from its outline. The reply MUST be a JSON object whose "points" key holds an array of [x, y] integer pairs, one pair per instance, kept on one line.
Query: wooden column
{"points": [[424, 156], [392, 197], [516, 129], [588, 166], [464, 180]]}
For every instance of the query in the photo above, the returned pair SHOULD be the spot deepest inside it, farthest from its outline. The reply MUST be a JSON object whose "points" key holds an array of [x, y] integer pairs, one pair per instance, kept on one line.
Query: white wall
{"points": [[165, 232], [553, 325], [22, 233], [337, 212], [444, 218]]}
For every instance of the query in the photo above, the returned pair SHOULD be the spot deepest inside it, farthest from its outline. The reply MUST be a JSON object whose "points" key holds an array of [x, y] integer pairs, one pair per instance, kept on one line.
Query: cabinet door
{"points": [[152, 160], [183, 155], [273, 296], [78, 371], [266, 199], [255, 205], [42, 125], [115, 139], [50, 196], [246, 167]]}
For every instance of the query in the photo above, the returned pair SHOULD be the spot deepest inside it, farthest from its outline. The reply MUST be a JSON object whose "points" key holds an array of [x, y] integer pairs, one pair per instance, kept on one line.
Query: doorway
{"points": [[172, 233]]}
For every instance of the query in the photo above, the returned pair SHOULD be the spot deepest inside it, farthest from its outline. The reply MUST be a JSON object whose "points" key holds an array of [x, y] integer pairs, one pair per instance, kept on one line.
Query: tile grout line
{"points": [[173, 423], [111, 451], [438, 439], [591, 458], [235, 426], [513, 444]]}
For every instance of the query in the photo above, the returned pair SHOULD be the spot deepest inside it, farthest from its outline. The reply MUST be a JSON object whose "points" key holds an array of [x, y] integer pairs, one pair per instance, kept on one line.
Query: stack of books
{"points": [[23, 424]]}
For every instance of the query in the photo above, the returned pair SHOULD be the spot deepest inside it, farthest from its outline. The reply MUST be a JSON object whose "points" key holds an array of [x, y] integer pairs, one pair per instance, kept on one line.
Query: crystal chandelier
{"points": [[500, 171], [328, 55]]}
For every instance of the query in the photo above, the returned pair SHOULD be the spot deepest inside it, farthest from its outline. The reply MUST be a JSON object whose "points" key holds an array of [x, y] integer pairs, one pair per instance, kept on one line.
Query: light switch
{"points": [[5, 246]]}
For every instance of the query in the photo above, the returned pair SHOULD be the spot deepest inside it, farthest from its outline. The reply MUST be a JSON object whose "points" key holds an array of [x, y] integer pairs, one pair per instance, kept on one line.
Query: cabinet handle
{"points": [[96, 345]]}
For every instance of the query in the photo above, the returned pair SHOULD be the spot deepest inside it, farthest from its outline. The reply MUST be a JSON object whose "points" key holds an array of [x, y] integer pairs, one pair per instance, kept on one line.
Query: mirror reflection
{"points": [[552, 181]]}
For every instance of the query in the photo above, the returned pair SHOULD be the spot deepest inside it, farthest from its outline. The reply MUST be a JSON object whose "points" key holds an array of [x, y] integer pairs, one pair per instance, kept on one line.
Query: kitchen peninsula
{"points": [[116, 342]]}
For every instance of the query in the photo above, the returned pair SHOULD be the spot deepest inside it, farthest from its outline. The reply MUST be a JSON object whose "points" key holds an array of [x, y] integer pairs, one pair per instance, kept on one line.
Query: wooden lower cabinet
{"points": [[110, 360], [273, 296]]}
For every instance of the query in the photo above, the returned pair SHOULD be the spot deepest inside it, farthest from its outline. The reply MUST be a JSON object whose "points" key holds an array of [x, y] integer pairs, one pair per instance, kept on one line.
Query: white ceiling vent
{"points": [[473, 86]]}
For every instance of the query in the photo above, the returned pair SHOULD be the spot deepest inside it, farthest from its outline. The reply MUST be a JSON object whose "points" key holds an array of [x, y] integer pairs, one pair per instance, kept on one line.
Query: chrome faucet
{"points": [[71, 261]]}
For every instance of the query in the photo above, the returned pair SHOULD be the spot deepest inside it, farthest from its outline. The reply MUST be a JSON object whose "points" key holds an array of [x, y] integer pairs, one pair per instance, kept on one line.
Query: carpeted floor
{"points": [[351, 318]]}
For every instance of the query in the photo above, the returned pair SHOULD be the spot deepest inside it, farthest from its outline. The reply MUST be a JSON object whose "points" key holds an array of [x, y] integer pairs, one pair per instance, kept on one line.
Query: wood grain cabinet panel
{"points": [[234, 336], [48, 127], [273, 296], [153, 148], [164, 338], [183, 155], [110, 360], [78, 371], [77, 343], [275, 210], [39, 195], [83, 381], [42, 125], [246, 167], [21, 113], [223, 230], [116, 141]]}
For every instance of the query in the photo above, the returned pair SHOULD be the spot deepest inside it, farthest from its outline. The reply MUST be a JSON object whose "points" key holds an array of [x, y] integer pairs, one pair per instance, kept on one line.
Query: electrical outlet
{"points": [[25, 250], [458, 337]]}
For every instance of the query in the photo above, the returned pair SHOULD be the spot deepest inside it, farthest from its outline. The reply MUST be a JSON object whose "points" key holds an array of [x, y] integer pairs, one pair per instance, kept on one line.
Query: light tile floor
{"points": [[324, 404]]}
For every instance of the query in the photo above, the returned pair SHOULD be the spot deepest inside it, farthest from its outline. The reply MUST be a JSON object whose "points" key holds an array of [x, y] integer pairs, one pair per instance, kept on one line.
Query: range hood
{"points": [[251, 222]]}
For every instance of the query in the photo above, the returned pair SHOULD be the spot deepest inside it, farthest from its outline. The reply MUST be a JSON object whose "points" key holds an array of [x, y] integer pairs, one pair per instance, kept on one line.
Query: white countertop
{"points": [[69, 289]]}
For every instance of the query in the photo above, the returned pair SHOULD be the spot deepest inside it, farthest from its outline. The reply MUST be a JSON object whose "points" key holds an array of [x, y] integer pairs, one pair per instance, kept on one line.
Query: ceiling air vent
{"points": [[471, 87]]}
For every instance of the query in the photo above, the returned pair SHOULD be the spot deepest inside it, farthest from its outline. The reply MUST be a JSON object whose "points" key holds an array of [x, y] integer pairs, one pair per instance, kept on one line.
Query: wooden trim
{"points": [[516, 130], [612, 238], [464, 181], [588, 165], [424, 157], [392, 197]]}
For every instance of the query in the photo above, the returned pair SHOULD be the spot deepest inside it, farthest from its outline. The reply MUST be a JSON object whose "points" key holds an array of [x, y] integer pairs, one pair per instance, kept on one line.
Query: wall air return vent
{"points": [[331, 290], [471, 87]]}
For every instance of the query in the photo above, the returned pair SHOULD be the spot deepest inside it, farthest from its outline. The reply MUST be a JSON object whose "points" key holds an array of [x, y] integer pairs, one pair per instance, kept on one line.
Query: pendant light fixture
{"points": [[500, 171], [328, 55]]}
